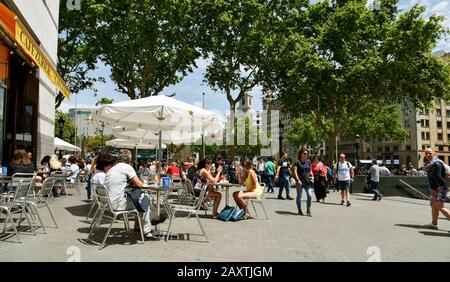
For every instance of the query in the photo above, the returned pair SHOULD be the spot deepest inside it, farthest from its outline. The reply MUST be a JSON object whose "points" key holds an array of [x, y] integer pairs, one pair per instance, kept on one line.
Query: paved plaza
{"points": [[391, 230]]}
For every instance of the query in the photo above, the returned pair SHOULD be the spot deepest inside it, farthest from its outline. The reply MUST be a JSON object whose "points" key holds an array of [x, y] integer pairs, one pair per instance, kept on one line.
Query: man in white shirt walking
{"points": [[374, 174]]}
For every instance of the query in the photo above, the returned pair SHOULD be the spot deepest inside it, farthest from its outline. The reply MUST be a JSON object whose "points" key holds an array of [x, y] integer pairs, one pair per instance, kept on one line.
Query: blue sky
{"points": [[190, 89]]}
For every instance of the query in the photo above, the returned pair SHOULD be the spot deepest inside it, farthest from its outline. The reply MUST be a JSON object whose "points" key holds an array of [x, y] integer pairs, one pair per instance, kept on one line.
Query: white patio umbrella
{"points": [[128, 144], [159, 113], [65, 146], [168, 137]]}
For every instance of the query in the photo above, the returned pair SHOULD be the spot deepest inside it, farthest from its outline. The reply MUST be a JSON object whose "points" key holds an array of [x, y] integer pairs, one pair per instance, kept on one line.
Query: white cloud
{"points": [[441, 8]]}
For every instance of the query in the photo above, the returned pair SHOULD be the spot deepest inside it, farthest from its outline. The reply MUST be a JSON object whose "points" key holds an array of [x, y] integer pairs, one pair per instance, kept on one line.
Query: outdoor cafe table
{"points": [[227, 187], [158, 189]]}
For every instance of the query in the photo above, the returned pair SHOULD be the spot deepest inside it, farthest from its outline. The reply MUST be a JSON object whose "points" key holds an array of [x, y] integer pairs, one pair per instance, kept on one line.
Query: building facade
{"points": [[84, 125], [28, 77]]}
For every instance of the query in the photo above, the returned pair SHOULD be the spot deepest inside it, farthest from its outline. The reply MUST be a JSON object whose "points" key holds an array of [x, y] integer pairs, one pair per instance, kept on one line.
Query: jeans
{"points": [[284, 183], [270, 183], [309, 191], [375, 189]]}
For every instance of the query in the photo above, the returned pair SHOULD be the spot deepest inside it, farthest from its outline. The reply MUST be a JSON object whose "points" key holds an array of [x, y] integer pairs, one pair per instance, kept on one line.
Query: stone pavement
{"points": [[390, 230]]}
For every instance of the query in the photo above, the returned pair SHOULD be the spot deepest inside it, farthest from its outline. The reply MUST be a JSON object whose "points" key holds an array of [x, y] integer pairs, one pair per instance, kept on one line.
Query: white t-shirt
{"points": [[261, 167], [343, 172], [75, 169], [116, 180], [99, 177]]}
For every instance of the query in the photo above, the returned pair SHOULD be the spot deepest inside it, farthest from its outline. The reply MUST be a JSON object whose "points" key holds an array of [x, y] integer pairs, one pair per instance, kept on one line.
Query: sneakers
{"points": [[290, 198], [348, 203], [342, 202], [381, 197], [431, 226], [281, 198], [308, 213], [300, 212]]}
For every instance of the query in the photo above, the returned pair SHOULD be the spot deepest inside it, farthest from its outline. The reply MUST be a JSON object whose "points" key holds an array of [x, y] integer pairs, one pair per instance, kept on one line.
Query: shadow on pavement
{"points": [[437, 234], [332, 204], [415, 226], [286, 213], [79, 211]]}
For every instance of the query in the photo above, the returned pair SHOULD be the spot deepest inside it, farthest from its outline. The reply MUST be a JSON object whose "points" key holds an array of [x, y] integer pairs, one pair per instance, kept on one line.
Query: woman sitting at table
{"points": [[202, 177], [253, 189]]}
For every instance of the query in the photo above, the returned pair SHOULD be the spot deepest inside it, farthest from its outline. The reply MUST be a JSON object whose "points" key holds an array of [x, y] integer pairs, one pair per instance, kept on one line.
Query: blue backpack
{"points": [[237, 215], [226, 213]]}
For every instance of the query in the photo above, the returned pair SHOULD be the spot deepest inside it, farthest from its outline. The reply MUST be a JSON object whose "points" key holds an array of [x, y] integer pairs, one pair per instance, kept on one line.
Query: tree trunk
{"points": [[233, 131], [331, 142]]}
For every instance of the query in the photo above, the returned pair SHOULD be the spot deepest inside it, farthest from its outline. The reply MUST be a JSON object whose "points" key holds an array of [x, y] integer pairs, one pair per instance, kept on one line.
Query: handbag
{"points": [[139, 198], [226, 213]]}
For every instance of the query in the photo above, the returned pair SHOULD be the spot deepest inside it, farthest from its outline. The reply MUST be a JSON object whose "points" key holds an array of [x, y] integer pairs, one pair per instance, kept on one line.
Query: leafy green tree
{"points": [[101, 129], [68, 130], [149, 45], [233, 32], [341, 61], [77, 56]]}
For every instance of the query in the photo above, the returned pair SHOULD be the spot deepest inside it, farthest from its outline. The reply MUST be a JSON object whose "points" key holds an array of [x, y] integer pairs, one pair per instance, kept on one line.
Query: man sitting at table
{"points": [[119, 174], [173, 170]]}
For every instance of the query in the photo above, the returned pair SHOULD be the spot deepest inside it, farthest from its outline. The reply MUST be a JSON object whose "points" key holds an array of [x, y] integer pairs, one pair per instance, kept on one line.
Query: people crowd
{"points": [[308, 174]]}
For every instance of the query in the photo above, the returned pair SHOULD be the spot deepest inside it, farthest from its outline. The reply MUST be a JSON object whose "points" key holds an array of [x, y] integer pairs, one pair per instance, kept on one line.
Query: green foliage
{"points": [[148, 44], [68, 130], [104, 101], [97, 143], [343, 62], [304, 131], [77, 55]]}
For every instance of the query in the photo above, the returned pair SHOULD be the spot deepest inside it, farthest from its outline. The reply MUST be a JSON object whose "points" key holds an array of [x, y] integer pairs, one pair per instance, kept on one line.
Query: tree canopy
{"points": [[340, 62]]}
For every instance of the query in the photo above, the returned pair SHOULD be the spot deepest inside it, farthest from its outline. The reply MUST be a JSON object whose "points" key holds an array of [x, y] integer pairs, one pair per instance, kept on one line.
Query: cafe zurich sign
{"points": [[17, 31]]}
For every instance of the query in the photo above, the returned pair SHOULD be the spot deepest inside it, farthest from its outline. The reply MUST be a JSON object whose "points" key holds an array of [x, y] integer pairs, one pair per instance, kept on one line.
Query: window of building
{"points": [[448, 113], [395, 148], [442, 158], [424, 147], [368, 150], [440, 136], [441, 148], [448, 136], [439, 124], [438, 113], [448, 125], [387, 149], [408, 147]]}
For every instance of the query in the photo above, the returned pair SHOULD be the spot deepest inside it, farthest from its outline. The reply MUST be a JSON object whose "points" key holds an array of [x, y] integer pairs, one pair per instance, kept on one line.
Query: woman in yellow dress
{"points": [[253, 189]]}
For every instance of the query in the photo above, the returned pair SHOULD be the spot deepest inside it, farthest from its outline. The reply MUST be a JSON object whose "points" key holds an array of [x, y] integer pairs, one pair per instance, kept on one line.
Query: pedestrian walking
{"points": [[320, 179], [270, 173], [343, 176], [302, 172], [374, 177], [436, 174], [283, 173]]}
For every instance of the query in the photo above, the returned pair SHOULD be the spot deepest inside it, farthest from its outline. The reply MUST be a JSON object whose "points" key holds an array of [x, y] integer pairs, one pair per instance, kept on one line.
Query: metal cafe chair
{"points": [[192, 209], [41, 200], [14, 206], [104, 203], [259, 200]]}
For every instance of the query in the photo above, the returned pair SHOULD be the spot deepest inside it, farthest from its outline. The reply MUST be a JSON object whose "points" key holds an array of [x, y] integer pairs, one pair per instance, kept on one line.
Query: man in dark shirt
{"points": [[436, 177], [220, 162], [283, 173]]}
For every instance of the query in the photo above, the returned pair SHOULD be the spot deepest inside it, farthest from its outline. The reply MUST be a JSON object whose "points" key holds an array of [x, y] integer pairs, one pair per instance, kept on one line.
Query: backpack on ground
{"points": [[226, 213], [237, 215]]}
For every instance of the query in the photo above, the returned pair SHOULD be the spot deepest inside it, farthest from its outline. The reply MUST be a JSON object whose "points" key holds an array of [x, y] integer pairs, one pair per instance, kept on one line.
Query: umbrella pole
{"points": [[160, 146]]}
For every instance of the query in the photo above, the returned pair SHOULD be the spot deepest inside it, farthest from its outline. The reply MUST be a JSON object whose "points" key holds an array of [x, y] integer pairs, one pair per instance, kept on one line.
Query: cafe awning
{"points": [[16, 31]]}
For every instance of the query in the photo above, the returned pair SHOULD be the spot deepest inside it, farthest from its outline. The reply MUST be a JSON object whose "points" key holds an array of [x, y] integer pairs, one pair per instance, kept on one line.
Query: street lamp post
{"points": [[358, 139], [61, 123], [417, 143], [281, 139]]}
